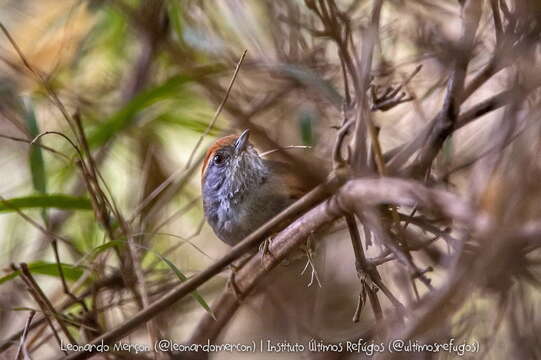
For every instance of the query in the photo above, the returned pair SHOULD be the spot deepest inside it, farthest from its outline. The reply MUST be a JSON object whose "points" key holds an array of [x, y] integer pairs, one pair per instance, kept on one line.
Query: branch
{"points": [[44, 302], [185, 288], [444, 124], [110, 282], [218, 111], [21, 350], [364, 120], [354, 194], [368, 192]]}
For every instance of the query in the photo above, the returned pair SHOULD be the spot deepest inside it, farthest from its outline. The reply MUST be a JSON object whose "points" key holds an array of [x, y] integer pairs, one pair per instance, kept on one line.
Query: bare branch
{"points": [[353, 196]]}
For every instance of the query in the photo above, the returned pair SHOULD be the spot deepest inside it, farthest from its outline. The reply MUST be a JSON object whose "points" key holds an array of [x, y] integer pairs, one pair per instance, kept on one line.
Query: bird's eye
{"points": [[218, 159]]}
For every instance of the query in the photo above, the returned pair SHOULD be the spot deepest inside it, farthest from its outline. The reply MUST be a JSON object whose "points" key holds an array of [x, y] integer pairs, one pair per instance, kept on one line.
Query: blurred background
{"points": [[135, 84]]}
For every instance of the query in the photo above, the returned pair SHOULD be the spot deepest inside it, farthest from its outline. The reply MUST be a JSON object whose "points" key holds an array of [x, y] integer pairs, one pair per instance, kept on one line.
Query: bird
{"points": [[241, 190]]}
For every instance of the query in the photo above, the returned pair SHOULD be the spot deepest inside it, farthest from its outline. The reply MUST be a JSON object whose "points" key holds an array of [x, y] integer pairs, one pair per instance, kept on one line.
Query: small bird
{"points": [[241, 190]]}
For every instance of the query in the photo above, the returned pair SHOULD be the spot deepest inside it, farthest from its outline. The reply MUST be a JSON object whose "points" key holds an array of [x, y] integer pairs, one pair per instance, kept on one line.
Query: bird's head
{"points": [[231, 166], [241, 190]]}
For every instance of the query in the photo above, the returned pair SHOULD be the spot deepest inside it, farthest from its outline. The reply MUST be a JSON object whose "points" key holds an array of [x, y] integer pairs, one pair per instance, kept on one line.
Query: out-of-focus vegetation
{"points": [[103, 104]]}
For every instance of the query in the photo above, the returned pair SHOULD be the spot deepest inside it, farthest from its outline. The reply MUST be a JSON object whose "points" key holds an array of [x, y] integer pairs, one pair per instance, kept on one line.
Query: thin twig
{"points": [[266, 153], [364, 121], [22, 345], [32, 222], [43, 301], [110, 281], [31, 142], [497, 20], [54, 244], [364, 267], [218, 111]]}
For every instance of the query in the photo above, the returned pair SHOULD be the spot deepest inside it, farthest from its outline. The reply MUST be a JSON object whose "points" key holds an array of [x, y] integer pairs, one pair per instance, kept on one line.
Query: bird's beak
{"points": [[242, 142]]}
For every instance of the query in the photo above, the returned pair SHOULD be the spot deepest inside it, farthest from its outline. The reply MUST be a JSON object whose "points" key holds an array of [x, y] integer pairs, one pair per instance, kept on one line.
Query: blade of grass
{"points": [[71, 272], [183, 278], [57, 201], [311, 79], [125, 116], [175, 15], [108, 245], [172, 266], [37, 165]]}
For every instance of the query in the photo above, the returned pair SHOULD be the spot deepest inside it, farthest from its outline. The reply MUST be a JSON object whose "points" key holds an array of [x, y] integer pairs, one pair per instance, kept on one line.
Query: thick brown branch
{"points": [[356, 193]]}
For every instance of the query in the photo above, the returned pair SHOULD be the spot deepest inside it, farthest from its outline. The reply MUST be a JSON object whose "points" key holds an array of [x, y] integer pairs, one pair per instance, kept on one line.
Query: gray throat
{"points": [[238, 202]]}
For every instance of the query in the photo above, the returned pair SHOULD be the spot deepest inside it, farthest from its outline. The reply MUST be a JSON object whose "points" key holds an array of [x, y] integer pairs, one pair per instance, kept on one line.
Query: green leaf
{"points": [[176, 119], [37, 166], [71, 272], [22, 308], [311, 79], [306, 127], [172, 266], [183, 277], [176, 17], [101, 248], [125, 116], [58, 201]]}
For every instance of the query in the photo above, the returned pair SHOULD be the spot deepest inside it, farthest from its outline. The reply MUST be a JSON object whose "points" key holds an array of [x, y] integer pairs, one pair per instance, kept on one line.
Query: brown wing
{"points": [[297, 185]]}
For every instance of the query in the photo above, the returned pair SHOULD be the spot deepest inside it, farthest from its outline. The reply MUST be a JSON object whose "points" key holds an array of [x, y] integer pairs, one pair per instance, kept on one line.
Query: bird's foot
{"points": [[264, 246], [233, 284]]}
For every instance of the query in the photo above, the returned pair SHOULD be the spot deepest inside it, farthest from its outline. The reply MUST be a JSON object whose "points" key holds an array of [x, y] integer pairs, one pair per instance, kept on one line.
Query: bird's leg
{"points": [[264, 246], [232, 283], [234, 267]]}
